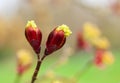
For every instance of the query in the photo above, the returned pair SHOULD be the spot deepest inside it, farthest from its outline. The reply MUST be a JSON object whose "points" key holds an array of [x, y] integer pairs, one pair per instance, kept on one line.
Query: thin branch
{"points": [[39, 62]]}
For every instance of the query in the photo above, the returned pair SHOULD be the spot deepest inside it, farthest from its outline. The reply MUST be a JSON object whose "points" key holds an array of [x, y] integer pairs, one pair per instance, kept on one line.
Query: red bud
{"points": [[34, 37], [21, 69], [98, 57], [56, 40], [82, 43]]}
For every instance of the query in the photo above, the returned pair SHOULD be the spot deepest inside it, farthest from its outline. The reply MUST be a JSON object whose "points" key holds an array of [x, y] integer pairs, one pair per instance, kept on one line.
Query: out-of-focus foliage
{"points": [[50, 13]]}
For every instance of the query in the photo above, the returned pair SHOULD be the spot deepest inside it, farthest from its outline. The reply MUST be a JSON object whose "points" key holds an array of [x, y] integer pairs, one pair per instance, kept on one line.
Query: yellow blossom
{"points": [[101, 43], [31, 24], [24, 57], [108, 58], [91, 31], [65, 28]]}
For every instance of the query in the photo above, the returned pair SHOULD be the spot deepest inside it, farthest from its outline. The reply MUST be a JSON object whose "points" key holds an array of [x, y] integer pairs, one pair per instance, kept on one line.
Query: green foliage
{"points": [[109, 75]]}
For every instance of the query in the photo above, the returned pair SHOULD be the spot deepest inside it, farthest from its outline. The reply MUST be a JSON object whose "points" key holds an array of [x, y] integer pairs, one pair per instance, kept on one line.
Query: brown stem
{"points": [[39, 62]]}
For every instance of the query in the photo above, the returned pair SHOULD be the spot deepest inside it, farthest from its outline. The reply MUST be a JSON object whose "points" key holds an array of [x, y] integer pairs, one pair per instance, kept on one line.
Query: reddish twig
{"points": [[39, 62]]}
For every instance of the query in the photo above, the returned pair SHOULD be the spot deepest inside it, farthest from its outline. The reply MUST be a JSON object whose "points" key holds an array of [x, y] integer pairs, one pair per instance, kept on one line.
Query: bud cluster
{"points": [[55, 41], [91, 37]]}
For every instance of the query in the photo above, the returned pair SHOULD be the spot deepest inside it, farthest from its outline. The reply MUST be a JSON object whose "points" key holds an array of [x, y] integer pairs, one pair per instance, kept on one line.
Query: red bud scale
{"points": [[33, 36]]}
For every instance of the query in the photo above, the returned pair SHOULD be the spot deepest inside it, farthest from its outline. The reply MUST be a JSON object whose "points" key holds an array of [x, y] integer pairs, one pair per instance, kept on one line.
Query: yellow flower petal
{"points": [[24, 57], [65, 28], [101, 43], [91, 31], [108, 58], [31, 24]]}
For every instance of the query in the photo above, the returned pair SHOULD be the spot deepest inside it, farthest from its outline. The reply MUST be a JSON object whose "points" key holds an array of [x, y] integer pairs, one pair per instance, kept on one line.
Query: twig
{"points": [[39, 62]]}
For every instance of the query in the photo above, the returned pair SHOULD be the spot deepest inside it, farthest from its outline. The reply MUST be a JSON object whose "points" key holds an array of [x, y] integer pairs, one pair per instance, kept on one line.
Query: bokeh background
{"points": [[48, 14]]}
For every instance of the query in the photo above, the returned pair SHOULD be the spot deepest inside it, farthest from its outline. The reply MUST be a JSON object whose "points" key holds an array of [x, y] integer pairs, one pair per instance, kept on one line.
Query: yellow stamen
{"points": [[91, 31], [101, 43], [108, 58], [65, 28], [24, 57], [31, 24]]}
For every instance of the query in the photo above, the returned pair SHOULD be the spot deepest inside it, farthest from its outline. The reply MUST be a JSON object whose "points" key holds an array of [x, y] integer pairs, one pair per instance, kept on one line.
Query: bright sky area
{"points": [[9, 7]]}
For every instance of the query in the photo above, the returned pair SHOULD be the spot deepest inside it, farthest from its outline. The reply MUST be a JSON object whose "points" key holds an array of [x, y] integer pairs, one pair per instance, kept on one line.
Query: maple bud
{"points": [[33, 36], [82, 44], [57, 39], [101, 43], [103, 58], [91, 31], [98, 58], [24, 61]]}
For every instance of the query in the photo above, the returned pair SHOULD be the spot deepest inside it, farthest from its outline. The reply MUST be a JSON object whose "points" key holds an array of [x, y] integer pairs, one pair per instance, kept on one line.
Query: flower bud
{"points": [[108, 58], [91, 31], [33, 36], [98, 58], [24, 61], [101, 43], [57, 39], [82, 44], [103, 58]]}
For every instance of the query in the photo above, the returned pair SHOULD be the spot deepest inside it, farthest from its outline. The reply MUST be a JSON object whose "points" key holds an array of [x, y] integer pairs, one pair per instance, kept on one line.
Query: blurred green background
{"points": [[48, 14]]}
